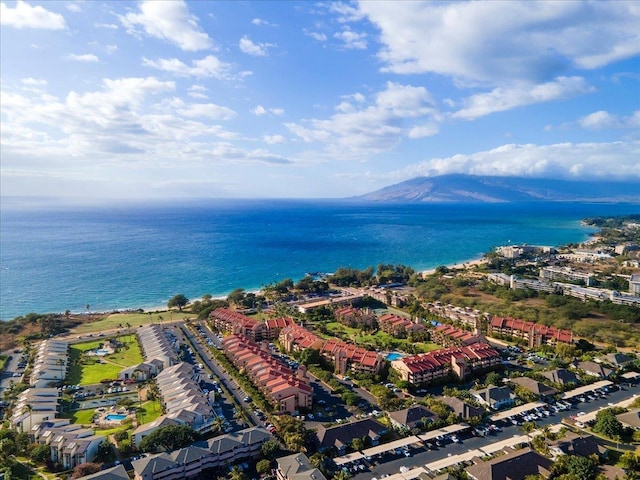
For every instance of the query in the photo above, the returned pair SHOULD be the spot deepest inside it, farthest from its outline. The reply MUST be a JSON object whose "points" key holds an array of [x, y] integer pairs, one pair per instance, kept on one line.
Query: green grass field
{"points": [[87, 370], [150, 411], [120, 320], [82, 417]]}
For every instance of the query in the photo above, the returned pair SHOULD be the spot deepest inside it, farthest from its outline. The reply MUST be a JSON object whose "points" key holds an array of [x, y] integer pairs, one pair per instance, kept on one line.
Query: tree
{"points": [[263, 466], [236, 473], [607, 424], [342, 475], [358, 444], [171, 437], [269, 449], [583, 468], [527, 428], [86, 469], [178, 301], [41, 453], [121, 435], [630, 461], [350, 398], [493, 378]]}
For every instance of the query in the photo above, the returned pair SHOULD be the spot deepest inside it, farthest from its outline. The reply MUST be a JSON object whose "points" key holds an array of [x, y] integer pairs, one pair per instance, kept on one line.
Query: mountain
{"points": [[459, 188]]}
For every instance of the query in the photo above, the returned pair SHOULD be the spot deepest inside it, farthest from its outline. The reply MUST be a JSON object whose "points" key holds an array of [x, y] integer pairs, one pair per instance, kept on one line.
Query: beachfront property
{"points": [[275, 326], [465, 315], [51, 363], [494, 397], [297, 467], [295, 338], [429, 367], [191, 461], [341, 436], [289, 391], [448, 335], [532, 333], [356, 317], [158, 350], [552, 273], [386, 295], [400, 327], [69, 444]]}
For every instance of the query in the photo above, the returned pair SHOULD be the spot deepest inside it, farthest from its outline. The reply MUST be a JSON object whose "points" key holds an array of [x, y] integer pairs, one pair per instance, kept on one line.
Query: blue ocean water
{"points": [[54, 259]]}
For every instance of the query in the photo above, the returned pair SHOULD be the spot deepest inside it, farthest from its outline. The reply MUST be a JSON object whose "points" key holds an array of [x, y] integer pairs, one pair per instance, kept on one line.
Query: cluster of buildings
{"points": [[448, 335], [400, 327], [289, 391], [464, 315], [158, 350], [229, 321], [51, 363], [69, 444], [461, 361], [534, 334], [356, 317]]}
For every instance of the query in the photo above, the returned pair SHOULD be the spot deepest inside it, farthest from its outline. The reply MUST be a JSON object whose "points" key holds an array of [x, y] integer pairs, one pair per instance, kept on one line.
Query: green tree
{"points": [[236, 473], [358, 444], [342, 475], [41, 453], [527, 428], [179, 301], [85, 469], [350, 398], [607, 424], [171, 437], [269, 449], [583, 468], [263, 466]]}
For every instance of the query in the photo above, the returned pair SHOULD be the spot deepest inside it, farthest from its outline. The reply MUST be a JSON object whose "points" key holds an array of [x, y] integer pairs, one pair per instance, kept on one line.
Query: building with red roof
{"points": [[459, 361], [448, 335], [400, 327], [225, 320], [534, 334], [356, 317]]}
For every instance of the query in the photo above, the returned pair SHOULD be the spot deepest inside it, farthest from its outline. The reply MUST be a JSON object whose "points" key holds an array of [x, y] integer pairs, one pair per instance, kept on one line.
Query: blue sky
{"points": [[300, 99]]}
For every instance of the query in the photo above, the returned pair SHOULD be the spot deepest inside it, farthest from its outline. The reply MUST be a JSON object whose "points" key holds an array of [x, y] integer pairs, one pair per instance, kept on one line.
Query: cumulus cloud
{"points": [[197, 91], [255, 49], [259, 110], [259, 22], [506, 98], [562, 160], [169, 21], [529, 41], [24, 15], [274, 139], [318, 36], [85, 57], [73, 7], [352, 40], [209, 66], [108, 26], [360, 128], [603, 120], [35, 82]]}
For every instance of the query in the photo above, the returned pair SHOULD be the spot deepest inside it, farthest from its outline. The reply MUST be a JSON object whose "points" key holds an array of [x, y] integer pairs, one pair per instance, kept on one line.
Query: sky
{"points": [[267, 99]]}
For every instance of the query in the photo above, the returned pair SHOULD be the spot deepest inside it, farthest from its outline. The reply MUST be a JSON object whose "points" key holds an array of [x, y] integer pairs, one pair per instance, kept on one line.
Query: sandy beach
{"points": [[458, 266]]}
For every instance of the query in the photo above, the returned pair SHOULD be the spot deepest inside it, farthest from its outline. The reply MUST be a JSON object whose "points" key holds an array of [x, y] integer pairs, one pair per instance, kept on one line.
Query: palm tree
{"points": [[527, 428], [218, 423], [28, 408], [237, 474], [342, 475]]}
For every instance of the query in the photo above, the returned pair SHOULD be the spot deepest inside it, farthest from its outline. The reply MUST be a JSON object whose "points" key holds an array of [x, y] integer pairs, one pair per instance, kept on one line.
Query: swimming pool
{"points": [[394, 356], [114, 417], [102, 351]]}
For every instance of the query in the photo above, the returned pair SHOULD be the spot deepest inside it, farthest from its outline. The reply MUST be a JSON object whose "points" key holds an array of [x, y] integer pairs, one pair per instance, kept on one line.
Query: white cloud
{"points": [[209, 66], [85, 57], [111, 48], [318, 36], [197, 91], [506, 98], [208, 110], [259, 22], [359, 129], [562, 160], [274, 139], [603, 120], [108, 26], [170, 21], [73, 7], [26, 16], [352, 40], [34, 82], [259, 110], [495, 43], [255, 49]]}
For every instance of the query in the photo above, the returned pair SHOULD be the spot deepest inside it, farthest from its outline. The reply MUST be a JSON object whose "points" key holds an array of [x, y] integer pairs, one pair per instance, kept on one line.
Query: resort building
{"points": [[70, 445], [158, 350], [114, 473], [561, 376], [564, 273], [297, 467], [594, 369], [356, 317], [34, 406], [448, 335], [461, 408], [289, 391], [634, 285], [416, 416], [295, 338], [275, 326], [543, 391], [438, 364], [51, 363], [516, 464], [533, 333], [225, 320], [400, 327], [191, 461], [465, 315]]}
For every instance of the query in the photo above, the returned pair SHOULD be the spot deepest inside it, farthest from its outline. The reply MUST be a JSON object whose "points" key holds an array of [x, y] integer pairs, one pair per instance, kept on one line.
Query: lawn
{"points": [[87, 370], [135, 320], [150, 411], [82, 417]]}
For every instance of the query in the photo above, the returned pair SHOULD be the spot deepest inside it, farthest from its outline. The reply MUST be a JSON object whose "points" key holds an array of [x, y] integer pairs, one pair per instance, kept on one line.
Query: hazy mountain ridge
{"points": [[459, 188]]}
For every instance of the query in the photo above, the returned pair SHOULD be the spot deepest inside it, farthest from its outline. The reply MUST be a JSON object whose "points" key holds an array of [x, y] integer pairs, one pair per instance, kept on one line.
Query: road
{"points": [[390, 464]]}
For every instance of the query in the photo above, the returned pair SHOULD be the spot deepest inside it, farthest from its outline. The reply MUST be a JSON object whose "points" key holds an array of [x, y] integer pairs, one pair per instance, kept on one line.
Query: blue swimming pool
{"points": [[394, 356], [113, 417], [102, 351]]}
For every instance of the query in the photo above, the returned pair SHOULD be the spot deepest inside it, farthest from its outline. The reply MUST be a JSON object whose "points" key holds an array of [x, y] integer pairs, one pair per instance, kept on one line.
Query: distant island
{"points": [[459, 188]]}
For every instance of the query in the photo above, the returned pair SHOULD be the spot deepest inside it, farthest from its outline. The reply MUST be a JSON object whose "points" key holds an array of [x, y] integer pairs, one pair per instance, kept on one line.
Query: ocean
{"points": [[140, 255]]}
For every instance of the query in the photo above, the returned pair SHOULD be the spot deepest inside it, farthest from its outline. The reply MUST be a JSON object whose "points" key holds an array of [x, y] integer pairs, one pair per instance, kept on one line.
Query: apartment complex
{"points": [[33, 406], [297, 467], [225, 320], [70, 445], [287, 390], [400, 327], [551, 274], [460, 361], [356, 317], [448, 335], [51, 363], [533, 333]]}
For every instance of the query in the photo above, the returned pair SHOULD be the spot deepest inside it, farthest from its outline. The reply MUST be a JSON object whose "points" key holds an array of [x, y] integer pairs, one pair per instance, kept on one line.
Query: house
{"points": [[460, 361], [494, 397], [139, 373], [618, 360], [341, 436], [34, 406], [51, 363], [462, 409], [594, 369], [157, 349], [630, 419], [297, 467], [416, 416], [514, 465], [147, 428], [561, 376], [114, 473], [70, 445], [540, 389], [575, 444]]}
